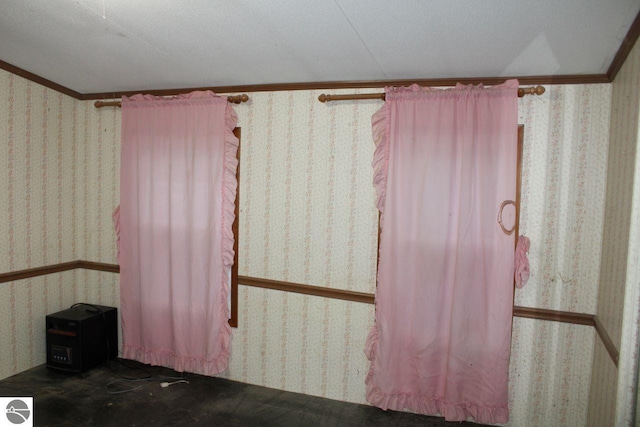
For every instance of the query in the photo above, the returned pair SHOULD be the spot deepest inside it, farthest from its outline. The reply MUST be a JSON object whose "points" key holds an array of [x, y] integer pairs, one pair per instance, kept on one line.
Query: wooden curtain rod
{"points": [[235, 99], [537, 90]]}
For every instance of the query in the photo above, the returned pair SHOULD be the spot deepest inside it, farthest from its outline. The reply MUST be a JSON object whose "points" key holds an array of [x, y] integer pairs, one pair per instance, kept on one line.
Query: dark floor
{"points": [[94, 399]]}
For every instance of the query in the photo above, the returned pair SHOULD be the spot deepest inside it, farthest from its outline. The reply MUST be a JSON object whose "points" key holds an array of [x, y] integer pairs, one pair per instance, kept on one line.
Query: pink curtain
{"points": [[177, 193], [445, 161]]}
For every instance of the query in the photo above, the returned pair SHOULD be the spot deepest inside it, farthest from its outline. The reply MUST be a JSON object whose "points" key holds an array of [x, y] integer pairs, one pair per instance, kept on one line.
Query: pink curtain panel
{"points": [[445, 162], [175, 244]]}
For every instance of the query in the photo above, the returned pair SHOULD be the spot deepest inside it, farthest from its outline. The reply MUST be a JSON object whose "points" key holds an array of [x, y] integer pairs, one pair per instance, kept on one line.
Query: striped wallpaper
{"points": [[49, 210], [619, 296], [307, 215], [602, 395]]}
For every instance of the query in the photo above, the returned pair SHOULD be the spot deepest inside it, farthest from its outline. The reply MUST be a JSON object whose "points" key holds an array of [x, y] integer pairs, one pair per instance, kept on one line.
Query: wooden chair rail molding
{"points": [[320, 291]]}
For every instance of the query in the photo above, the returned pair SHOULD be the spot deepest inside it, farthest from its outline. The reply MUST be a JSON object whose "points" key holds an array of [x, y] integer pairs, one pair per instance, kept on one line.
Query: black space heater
{"points": [[81, 337]]}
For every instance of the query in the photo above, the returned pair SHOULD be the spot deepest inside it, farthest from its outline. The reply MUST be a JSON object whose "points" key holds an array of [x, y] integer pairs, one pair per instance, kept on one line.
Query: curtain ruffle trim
{"points": [[380, 164], [380, 129], [229, 190], [198, 97], [509, 88], [168, 359], [115, 216], [522, 269], [422, 404]]}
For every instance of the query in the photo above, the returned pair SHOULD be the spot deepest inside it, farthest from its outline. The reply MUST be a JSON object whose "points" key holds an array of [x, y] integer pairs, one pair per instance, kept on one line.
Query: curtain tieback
{"points": [[502, 206]]}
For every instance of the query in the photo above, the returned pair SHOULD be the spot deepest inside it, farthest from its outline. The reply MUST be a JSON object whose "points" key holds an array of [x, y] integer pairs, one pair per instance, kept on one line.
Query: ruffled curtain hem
{"points": [[198, 365], [429, 406], [451, 411]]}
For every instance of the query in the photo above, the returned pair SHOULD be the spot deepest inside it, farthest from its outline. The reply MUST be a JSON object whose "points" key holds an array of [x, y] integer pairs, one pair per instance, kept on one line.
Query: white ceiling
{"points": [[93, 46]]}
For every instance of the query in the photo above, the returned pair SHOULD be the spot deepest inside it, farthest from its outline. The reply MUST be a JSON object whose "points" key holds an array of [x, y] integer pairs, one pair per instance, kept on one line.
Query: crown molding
{"points": [[40, 80], [370, 84], [363, 84]]}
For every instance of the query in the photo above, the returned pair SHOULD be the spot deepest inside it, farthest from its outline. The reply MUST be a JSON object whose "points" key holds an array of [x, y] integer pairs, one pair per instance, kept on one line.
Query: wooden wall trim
{"points": [[554, 315], [606, 340], [38, 271], [625, 48], [341, 294], [319, 291], [40, 80], [99, 266]]}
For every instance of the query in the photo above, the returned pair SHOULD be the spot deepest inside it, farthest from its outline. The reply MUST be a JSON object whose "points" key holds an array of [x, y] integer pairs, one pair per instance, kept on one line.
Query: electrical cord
{"points": [[126, 378], [148, 377], [167, 384], [164, 384], [133, 368]]}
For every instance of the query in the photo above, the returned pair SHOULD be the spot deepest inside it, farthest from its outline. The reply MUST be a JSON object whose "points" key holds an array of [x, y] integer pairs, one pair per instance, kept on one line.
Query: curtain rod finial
{"points": [[322, 98], [237, 99], [538, 90]]}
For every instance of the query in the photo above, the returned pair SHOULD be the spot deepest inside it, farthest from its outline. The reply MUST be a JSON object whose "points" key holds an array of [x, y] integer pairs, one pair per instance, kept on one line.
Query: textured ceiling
{"points": [[94, 46]]}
